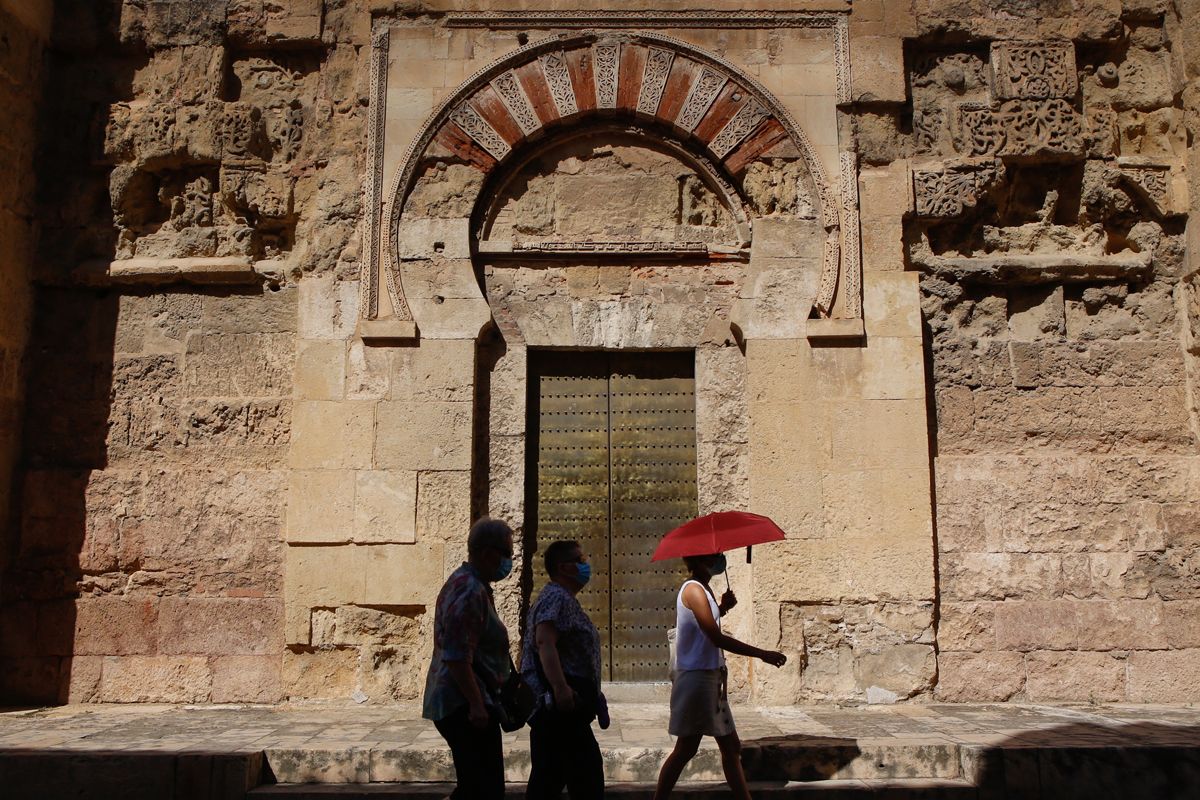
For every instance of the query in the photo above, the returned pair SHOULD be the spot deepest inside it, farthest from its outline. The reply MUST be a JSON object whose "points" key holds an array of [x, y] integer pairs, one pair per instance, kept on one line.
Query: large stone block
{"points": [[401, 574], [322, 576], [1165, 676], [320, 674], [320, 370], [893, 369], [332, 434], [881, 433], [980, 677], [423, 435], [155, 679], [443, 506], [268, 312], [328, 308], [220, 626], [877, 72], [247, 679], [320, 505], [1076, 676], [425, 239], [450, 318], [116, 626], [891, 503], [437, 370], [891, 305], [885, 195], [239, 365], [385, 506]]}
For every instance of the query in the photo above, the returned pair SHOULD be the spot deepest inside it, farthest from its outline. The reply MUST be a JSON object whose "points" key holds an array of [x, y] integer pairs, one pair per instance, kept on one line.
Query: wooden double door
{"points": [[612, 465]]}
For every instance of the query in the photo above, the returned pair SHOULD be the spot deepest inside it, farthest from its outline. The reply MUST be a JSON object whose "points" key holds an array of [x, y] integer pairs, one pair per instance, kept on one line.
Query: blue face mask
{"points": [[583, 573], [719, 564], [502, 572]]}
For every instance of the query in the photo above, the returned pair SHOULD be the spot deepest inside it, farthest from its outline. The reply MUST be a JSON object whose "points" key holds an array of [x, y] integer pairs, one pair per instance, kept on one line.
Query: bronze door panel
{"points": [[615, 470]]}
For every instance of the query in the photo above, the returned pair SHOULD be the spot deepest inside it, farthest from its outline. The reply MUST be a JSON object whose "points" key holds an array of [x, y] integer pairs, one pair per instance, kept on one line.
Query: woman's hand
{"points": [[728, 601], [564, 698], [773, 657]]}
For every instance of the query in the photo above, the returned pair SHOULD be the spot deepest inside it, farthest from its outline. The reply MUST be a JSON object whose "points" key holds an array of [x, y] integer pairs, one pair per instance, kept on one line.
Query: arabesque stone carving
{"points": [[1033, 70]]}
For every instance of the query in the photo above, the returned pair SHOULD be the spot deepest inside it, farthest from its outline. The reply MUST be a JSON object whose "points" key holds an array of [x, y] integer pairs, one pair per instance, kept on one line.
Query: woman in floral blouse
{"points": [[471, 662], [561, 663]]}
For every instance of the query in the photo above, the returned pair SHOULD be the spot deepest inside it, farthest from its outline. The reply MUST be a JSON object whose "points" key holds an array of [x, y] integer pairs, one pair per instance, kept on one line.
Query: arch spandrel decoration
{"points": [[561, 84]]}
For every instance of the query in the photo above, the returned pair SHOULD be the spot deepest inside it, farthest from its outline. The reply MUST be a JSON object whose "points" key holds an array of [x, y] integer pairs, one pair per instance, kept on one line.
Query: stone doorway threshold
{"points": [[942, 750]]}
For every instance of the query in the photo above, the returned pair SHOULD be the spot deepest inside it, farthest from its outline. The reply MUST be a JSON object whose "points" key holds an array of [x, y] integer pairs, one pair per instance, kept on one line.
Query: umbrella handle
{"points": [[728, 588]]}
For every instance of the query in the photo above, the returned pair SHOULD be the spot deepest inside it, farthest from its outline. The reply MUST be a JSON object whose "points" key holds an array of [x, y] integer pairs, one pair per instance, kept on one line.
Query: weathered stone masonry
{"points": [[935, 261]]}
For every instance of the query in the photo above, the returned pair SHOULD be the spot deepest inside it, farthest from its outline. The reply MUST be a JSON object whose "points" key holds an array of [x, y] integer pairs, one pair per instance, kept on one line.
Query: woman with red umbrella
{"points": [[699, 706]]}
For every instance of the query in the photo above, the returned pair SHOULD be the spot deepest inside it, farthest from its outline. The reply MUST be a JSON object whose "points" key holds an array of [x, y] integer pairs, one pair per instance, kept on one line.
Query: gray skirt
{"points": [[699, 706]]}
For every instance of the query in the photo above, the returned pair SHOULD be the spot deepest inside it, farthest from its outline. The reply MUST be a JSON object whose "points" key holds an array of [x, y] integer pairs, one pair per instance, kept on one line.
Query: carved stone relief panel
{"points": [[1034, 70]]}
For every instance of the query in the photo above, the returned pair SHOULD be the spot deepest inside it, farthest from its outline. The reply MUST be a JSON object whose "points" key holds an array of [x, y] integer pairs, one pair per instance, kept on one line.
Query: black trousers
{"points": [[478, 756], [564, 754]]}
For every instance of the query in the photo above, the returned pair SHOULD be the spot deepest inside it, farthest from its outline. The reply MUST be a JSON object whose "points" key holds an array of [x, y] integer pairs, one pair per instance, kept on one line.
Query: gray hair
{"points": [[486, 533]]}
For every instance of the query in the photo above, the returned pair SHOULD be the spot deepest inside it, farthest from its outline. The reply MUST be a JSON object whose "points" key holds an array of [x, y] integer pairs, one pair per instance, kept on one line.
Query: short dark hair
{"points": [[697, 561], [487, 532], [558, 553]]}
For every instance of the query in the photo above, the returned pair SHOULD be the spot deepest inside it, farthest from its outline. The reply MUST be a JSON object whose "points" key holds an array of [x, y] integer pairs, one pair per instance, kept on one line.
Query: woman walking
{"points": [[561, 662], [699, 706], [470, 662]]}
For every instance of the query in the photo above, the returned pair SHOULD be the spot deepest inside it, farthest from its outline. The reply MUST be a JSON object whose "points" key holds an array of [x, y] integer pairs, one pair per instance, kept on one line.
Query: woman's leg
{"points": [[547, 772], [672, 768], [585, 776], [731, 763]]}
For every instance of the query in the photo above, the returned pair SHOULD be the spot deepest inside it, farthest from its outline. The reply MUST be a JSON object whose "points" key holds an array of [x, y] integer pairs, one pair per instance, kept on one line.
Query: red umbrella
{"points": [[716, 533]]}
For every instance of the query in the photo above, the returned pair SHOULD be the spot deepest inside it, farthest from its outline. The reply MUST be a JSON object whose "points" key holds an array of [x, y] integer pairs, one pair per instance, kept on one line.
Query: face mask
{"points": [[504, 569], [719, 565], [583, 573]]}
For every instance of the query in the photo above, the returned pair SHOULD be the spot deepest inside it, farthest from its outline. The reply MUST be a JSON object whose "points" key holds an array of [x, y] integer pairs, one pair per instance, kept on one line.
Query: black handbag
{"points": [[514, 701]]}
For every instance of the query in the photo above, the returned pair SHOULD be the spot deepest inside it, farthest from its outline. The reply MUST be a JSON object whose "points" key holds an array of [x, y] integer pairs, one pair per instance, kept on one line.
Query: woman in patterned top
{"points": [[561, 663], [471, 662]]}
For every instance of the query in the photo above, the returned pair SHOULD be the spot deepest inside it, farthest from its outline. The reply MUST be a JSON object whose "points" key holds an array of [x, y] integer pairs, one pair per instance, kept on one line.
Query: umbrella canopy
{"points": [[716, 533]]}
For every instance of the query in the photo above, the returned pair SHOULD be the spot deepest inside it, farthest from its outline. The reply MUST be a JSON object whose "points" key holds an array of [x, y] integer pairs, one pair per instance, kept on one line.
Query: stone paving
{"points": [[327, 744]]}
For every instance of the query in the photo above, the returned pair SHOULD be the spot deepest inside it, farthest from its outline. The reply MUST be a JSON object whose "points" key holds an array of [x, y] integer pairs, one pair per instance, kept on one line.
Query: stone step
{"points": [[794, 758], [911, 789]]}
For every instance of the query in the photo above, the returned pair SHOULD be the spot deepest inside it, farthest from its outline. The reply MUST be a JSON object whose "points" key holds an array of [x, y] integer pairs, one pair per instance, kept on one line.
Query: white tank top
{"points": [[693, 650]]}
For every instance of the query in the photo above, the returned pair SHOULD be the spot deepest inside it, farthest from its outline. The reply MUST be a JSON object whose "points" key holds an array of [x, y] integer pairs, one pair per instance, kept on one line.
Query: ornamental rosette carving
{"points": [[1034, 70]]}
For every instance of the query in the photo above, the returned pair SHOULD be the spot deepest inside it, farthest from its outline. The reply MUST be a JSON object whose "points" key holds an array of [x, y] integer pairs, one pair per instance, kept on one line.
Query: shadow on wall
{"points": [[1083, 761], [54, 545]]}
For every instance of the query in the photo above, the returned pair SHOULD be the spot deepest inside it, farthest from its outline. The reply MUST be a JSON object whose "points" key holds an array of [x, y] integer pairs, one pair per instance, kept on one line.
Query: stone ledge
{"points": [[1036, 268], [387, 330], [824, 330], [221, 270]]}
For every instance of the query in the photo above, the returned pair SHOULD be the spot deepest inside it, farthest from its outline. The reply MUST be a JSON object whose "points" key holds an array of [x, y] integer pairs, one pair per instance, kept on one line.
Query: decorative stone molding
{"points": [[1021, 128], [947, 191], [1152, 181], [1034, 70], [574, 20], [841, 55], [372, 231], [654, 80], [598, 248], [851, 245], [752, 121]]}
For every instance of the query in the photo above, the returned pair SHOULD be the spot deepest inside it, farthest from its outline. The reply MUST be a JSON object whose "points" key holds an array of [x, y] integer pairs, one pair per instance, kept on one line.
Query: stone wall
{"points": [[26, 28], [245, 472], [1056, 300]]}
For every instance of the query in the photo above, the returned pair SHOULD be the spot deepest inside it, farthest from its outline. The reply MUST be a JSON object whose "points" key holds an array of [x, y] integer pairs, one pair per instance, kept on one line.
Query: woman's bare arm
{"points": [[696, 599]]}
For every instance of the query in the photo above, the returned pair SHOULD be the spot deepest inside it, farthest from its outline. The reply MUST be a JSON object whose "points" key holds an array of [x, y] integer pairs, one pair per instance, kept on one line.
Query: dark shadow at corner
{"points": [[797, 757], [1137, 760], [1086, 760]]}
